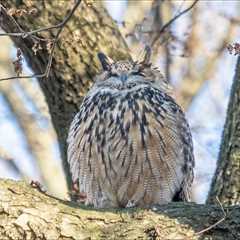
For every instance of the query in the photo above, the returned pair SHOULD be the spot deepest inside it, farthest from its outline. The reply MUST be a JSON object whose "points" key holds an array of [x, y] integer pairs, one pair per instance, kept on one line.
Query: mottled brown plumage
{"points": [[130, 144]]}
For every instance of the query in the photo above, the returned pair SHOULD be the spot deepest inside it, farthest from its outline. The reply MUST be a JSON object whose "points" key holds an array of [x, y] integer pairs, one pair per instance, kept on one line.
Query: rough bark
{"points": [[226, 182], [27, 213], [75, 62]]}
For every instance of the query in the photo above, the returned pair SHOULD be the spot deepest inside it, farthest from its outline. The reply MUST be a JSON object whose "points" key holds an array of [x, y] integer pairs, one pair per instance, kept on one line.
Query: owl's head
{"points": [[124, 69], [126, 74]]}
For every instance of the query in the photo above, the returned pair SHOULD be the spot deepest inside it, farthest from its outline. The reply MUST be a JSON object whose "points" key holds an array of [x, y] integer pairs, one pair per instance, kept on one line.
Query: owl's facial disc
{"points": [[123, 73]]}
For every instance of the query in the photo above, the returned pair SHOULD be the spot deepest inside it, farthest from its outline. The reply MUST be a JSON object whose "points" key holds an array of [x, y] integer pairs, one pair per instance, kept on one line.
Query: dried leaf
{"points": [[49, 45], [32, 11], [36, 47], [234, 48], [11, 11], [18, 63]]}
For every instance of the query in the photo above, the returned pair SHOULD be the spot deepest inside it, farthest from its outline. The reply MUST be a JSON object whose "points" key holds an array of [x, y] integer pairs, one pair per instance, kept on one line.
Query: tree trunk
{"points": [[26, 213], [75, 63], [226, 182]]}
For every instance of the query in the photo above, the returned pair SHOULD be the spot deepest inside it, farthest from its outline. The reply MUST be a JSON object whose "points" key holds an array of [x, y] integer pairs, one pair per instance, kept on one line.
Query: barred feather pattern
{"points": [[130, 144]]}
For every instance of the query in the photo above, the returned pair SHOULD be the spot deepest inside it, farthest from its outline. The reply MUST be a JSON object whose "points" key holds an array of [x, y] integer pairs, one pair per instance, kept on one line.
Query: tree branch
{"points": [[26, 213], [170, 22]]}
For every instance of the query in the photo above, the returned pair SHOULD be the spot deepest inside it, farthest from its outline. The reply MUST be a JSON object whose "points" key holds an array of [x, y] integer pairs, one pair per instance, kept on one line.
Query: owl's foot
{"points": [[76, 195]]}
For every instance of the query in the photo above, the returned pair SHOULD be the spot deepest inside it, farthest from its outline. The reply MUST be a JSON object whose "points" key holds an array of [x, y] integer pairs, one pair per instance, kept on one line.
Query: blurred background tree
{"points": [[191, 52]]}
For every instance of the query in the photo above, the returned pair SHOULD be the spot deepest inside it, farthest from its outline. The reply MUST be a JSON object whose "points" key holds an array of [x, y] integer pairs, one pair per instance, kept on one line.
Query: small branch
{"points": [[24, 34], [61, 26], [27, 34], [27, 76], [167, 25], [216, 223]]}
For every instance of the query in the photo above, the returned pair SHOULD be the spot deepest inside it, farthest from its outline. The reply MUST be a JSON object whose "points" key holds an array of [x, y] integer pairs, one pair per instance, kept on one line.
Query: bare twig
{"points": [[21, 31], [27, 76], [218, 222], [158, 230], [61, 26], [167, 25], [24, 34], [27, 34]]}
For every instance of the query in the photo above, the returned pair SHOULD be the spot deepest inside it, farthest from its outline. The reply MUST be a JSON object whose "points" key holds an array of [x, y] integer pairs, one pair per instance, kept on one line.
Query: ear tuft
{"points": [[105, 61]]}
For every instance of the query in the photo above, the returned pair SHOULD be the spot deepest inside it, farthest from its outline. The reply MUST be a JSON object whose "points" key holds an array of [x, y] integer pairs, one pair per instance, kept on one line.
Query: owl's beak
{"points": [[123, 77]]}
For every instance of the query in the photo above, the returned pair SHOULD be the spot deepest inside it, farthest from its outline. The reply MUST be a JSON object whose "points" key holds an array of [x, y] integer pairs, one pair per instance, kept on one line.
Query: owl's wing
{"points": [[73, 141], [79, 135], [178, 128], [187, 148], [85, 145], [151, 147], [178, 137], [168, 143]]}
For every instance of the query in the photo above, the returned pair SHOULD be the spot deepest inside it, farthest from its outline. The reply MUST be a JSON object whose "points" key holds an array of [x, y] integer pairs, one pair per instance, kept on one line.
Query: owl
{"points": [[130, 144]]}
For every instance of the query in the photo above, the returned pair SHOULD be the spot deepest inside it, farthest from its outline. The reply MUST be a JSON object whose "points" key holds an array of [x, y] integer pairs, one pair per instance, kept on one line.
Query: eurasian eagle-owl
{"points": [[130, 144]]}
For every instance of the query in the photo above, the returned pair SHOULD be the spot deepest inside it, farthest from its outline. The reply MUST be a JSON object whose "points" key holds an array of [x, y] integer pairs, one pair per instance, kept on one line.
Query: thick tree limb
{"points": [[26, 213]]}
